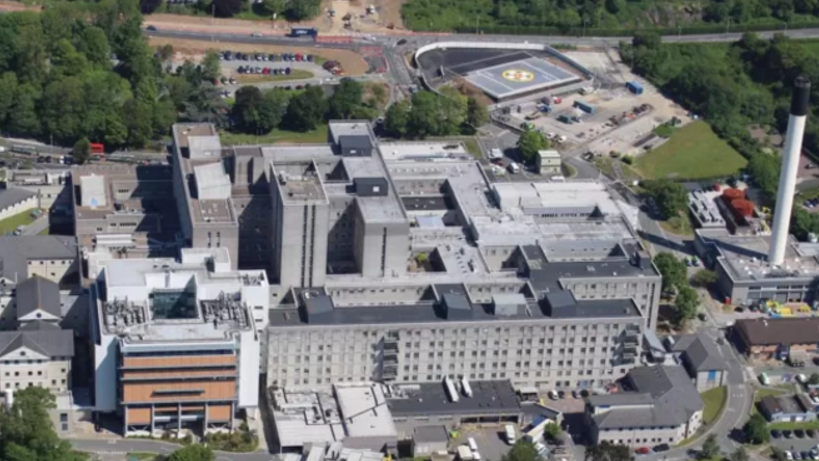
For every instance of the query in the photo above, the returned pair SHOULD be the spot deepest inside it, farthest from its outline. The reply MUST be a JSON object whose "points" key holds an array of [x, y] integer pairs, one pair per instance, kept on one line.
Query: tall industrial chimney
{"points": [[790, 165]]}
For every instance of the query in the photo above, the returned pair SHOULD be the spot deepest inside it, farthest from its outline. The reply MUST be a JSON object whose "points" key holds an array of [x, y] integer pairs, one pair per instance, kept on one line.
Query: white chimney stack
{"points": [[790, 165]]}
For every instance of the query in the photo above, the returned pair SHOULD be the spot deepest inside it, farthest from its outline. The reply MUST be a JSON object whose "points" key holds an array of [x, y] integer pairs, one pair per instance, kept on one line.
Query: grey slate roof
{"points": [[11, 197], [702, 353], [47, 342], [427, 434], [669, 396], [37, 293], [15, 252]]}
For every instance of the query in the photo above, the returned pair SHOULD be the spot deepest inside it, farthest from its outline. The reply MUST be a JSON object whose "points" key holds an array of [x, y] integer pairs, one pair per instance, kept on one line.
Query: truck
{"points": [[510, 434], [634, 87], [303, 32], [464, 453], [585, 107], [565, 119]]}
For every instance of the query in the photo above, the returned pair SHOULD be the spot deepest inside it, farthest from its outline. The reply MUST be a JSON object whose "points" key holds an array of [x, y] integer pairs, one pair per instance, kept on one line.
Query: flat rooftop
{"points": [[349, 128], [423, 151], [744, 257], [525, 75], [184, 131], [488, 398]]}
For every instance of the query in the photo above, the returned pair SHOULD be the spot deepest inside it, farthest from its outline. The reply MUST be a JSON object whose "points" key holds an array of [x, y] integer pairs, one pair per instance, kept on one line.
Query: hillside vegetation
{"points": [[521, 16]]}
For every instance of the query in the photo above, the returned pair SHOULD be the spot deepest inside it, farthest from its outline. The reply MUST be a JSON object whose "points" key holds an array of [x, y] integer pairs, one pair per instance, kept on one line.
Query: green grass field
{"points": [[714, 400], [9, 224], [693, 151], [319, 135]]}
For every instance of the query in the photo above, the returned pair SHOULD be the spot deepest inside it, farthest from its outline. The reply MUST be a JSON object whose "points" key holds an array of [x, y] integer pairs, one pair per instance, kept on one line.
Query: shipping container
{"points": [[585, 107], [97, 148], [565, 119], [303, 32], [635, 87]]}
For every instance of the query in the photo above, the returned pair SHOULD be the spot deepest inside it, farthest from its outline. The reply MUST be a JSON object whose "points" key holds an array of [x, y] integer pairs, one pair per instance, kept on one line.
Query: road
{"points": [[117, 448], [38, 225]]}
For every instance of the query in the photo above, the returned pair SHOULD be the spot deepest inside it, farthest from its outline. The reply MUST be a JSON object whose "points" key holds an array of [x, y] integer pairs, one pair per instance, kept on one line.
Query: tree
{"points": [[646, 39], [756, 430], [740, 455], [672, 269], [306, 110], [302, 9], [710, 447], [193, 452], [521, 451], [552, 432], [94, 45], [345, 99], [704, 278], [686, 304], [27, 430], [211, 67], [530, 142], [257, 113], [272, 7], [423, 116], [606, 451], [670, 197], [81, 151], [476, 115], [813, 379], [226, 8], [149, 6], [395, 121]]}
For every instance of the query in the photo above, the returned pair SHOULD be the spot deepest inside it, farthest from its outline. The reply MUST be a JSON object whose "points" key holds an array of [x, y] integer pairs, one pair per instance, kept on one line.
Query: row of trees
{"points": [[294, 10], [428, 114], [675, 280], [59, 83], [259, 112], [614, 14]]}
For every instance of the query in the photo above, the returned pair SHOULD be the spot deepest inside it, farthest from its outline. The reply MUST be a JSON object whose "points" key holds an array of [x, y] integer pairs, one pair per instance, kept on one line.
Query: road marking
{"points": [[112, 442]]}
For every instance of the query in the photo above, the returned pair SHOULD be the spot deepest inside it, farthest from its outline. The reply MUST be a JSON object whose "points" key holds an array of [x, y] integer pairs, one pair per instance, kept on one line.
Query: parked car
{"points": [[776, 434], [810, 432], [799, 433], [642, 451], [661, 448], [787, 433]]}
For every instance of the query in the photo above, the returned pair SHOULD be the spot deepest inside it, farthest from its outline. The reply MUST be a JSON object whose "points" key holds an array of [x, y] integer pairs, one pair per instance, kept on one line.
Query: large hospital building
{"points": [[396, 262]]}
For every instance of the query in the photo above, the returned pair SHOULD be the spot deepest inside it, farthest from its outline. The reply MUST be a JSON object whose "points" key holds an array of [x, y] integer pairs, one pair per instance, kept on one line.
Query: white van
{"points": [[472, 444], [514, 168], [553, 394], [476, 456]]}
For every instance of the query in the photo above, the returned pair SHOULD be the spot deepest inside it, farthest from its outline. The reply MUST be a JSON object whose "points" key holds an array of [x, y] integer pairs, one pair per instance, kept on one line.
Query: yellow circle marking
{"points": [[515, 75]]}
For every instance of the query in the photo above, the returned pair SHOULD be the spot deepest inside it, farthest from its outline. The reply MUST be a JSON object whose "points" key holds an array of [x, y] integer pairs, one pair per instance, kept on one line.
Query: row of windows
{"points": [[42, 263], [30, 373], [448, 332], [31, 384], [31, 362]]}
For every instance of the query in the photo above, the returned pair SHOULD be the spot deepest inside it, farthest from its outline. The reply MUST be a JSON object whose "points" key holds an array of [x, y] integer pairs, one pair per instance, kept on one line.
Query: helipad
{"points": [[521, 76]]}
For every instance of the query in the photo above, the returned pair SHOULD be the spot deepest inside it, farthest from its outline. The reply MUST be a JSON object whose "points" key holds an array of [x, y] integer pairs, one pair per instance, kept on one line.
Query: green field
{"points": [[714, 400], [319, 135], [692, 152], [9, 224]]}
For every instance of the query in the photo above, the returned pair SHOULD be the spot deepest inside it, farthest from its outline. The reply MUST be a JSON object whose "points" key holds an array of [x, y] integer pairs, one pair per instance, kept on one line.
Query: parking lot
{"points": [[490, 440]]}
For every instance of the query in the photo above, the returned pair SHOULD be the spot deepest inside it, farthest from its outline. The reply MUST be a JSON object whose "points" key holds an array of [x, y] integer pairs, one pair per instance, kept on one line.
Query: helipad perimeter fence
{"points": [[496, 46]]}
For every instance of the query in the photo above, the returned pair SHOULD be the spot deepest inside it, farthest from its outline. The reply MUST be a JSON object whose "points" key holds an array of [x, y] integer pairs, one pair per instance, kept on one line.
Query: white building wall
{"points": [[248, 369], [19, 207]]}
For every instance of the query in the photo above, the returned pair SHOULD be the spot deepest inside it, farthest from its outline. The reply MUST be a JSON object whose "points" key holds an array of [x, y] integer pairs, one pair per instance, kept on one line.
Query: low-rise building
{"points": [[660, 405], [699, 354], [776, 338], [452, 404], [356, 414], [50, 187], [549, 162], [16, 201], [52, 257], [787, 408], [429, 439]]}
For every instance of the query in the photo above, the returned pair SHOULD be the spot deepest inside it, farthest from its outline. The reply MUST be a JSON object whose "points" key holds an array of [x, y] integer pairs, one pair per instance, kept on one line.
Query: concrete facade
{"points": [[16, 201]]}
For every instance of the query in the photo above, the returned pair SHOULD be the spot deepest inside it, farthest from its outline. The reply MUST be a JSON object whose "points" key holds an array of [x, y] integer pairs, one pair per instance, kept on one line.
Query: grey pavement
{"points": [[38, 225], [119, 447]]}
